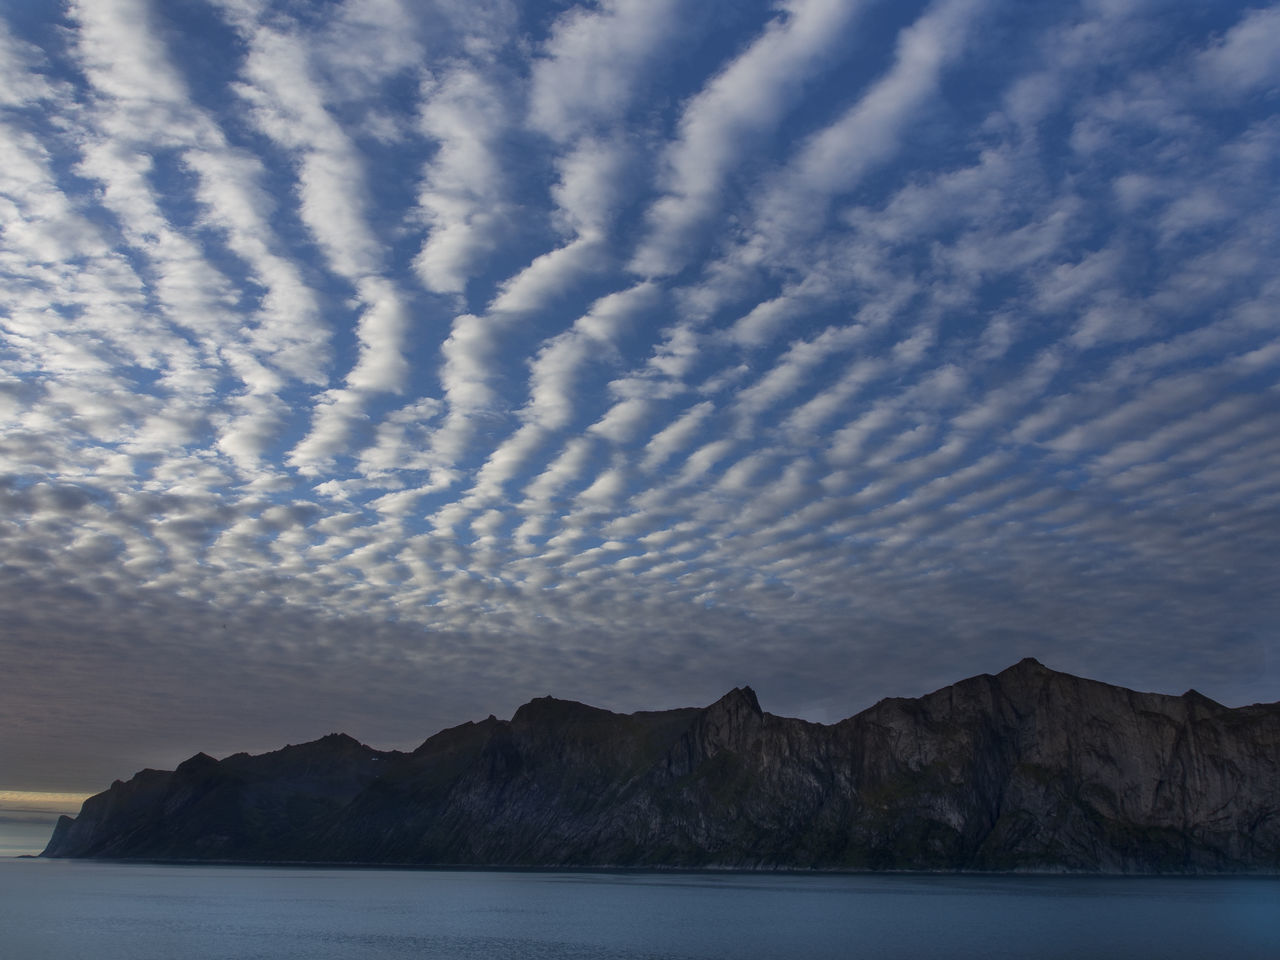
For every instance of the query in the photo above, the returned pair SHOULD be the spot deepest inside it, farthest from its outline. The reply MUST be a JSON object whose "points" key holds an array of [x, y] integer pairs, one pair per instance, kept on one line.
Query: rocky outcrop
{"points": [[240, 808], [1027, 770]]}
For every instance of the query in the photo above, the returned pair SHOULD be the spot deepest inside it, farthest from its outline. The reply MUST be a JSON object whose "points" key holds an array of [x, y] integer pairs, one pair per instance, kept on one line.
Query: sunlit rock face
{"points": [[1028, 770]]}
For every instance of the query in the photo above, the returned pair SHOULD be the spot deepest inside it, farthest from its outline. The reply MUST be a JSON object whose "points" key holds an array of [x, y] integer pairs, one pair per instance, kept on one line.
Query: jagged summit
{"points": [[340, 739], [739, 699], [1028, 769], [1196, 696]]}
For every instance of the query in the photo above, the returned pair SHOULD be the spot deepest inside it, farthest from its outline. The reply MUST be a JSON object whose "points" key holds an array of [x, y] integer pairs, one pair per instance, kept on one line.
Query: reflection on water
{"points": [[53, 910]]}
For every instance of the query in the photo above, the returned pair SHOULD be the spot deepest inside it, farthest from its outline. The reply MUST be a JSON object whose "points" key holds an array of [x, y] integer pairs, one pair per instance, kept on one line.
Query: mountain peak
{"points": [[201, 761], [338, 742], [1195, 696], [738, 700], [1027, 670], [552, 710], [339, 738]]}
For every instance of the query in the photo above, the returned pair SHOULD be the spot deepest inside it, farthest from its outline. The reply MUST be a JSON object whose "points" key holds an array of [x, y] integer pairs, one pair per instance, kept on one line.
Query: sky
{"points": [[378, 365]]}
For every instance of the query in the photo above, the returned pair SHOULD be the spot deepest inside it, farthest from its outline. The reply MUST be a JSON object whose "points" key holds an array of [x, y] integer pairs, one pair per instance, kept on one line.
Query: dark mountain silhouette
{"points": [[1027, 770]]}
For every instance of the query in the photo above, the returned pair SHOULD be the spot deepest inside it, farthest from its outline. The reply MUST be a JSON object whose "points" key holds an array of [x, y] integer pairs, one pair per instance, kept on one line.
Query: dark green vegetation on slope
{"points": [[1029, 769]]}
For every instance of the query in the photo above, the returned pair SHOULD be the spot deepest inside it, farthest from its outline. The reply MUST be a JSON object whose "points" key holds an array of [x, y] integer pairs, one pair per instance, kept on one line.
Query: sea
{"points": [[77, 910]]}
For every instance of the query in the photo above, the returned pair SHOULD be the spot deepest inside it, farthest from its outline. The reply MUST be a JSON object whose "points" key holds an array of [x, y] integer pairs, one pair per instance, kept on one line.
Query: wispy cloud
{"points": [[733, 113], [462, 197], [596, 61]]}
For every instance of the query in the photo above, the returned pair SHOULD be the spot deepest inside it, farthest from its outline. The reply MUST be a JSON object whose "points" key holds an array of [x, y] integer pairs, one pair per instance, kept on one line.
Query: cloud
{"points": [[461, 199], [673, 437], [595, 62], [367, 42], [587, 195], [382, 332], [124, 58], [791, 372], [289, 330], [335, 416], [289, 107], [868, 133], [590, 188], [1245, 58], [547, 278], [731, 114], [23, 80]]}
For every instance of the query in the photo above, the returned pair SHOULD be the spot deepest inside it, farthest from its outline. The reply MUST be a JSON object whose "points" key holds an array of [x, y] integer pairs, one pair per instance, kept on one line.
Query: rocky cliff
{"points": [[1029, 770]]}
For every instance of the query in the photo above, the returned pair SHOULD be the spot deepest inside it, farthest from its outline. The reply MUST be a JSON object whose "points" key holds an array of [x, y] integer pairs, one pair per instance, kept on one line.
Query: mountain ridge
{"points": [[1029, 769]]}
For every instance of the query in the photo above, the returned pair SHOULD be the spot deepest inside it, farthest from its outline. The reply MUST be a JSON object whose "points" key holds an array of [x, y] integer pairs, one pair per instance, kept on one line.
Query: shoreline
{"points": [[657, 870]]}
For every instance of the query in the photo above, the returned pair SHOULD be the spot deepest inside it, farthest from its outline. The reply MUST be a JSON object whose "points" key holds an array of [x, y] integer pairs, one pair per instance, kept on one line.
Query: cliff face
{"points": [[1026, 770], [240, 808]]}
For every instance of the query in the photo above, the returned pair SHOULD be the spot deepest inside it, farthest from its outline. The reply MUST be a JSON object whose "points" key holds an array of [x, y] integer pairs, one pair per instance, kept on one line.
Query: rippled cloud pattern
{"points": [[357, 352]]}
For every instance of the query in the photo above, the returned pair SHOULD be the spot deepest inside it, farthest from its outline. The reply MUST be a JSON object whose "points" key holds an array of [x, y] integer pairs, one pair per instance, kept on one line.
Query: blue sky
{"points": [[376, 365]]}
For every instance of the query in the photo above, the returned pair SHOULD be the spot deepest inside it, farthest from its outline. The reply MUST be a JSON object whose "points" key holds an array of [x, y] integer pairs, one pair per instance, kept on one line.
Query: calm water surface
{"points": [[64, 910]]}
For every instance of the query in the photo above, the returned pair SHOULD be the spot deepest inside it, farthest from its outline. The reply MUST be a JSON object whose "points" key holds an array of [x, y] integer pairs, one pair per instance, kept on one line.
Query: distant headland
{"points": [[1027, 770]]}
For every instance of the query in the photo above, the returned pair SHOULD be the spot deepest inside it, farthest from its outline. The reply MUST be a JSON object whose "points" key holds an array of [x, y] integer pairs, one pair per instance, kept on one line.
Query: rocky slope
{"points": [[1029, 769]]}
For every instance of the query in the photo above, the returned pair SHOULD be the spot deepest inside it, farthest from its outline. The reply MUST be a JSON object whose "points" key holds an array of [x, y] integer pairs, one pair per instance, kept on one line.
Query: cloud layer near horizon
{"points": [[377, 364]]}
